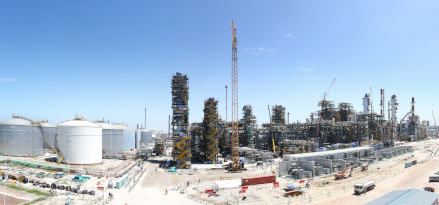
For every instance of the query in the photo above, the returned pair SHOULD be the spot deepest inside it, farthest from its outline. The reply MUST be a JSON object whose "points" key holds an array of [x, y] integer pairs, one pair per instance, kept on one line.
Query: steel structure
{"points": [[248, 127], [235, 121], [211, 134], [180, 121]]}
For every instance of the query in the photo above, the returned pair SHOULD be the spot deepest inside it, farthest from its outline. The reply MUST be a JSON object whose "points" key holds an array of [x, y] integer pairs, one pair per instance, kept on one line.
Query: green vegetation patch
{"points": [[37, 192], [35, 201]]}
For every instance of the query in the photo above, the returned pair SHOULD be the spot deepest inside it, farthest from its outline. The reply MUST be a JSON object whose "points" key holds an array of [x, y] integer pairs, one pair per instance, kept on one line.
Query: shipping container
{"points": [[258, 180]]}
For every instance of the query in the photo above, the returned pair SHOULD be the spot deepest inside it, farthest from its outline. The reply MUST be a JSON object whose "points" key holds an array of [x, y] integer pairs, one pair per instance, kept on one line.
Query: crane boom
{"points": [[235, 137], [329, 90]]}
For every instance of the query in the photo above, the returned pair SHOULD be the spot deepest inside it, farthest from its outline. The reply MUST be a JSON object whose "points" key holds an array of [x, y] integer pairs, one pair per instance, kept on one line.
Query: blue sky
{"points": [[114, 58]]}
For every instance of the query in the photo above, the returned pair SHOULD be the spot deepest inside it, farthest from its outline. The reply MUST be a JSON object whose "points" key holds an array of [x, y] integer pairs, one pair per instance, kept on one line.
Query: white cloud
{"points": [[260, 51], [304, 69], [8, 80], [290, 35]]}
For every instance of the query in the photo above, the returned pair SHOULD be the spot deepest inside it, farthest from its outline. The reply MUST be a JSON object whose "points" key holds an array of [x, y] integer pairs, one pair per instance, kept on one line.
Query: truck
{"points": [[364, 187]]}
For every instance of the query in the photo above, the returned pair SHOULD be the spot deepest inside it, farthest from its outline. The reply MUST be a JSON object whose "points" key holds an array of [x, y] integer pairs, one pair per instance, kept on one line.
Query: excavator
{"points": [[365, 167], [341, 174]]}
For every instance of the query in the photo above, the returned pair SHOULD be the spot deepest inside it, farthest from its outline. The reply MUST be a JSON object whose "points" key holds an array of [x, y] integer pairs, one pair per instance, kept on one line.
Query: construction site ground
{"points": [[389, 174]]}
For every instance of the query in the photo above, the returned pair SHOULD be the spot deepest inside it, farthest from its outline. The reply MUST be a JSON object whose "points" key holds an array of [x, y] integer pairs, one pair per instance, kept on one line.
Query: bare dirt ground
{"points": [[15, 197]]}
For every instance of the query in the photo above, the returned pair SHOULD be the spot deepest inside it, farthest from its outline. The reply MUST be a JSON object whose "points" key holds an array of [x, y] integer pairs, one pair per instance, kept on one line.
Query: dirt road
{"points": [[414, 179]]}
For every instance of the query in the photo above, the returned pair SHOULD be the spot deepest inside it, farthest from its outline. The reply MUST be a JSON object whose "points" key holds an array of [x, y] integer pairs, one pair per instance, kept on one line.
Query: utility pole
{"points": [[145, 120]]}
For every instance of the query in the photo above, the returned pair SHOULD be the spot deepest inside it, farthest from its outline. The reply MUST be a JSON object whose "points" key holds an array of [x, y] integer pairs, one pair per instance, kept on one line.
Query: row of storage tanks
{"points": [[79, 141]]}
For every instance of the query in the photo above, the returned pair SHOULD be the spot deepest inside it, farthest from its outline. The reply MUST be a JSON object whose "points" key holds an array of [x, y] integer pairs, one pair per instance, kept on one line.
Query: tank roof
{"points": [[15, 121], [108, 126], [78, 123], [46, 124], [125, 127]]}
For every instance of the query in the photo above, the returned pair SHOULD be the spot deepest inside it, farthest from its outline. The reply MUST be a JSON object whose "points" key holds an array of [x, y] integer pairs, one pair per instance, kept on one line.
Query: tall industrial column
{"points": [[211, 134], [181, 151]]}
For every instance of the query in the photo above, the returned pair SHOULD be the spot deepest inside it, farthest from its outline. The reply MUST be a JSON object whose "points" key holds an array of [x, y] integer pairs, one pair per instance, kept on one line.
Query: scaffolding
{"points": [[327, 111], [344, 111], [197, 141], [211, 134], [278, 116], [180, 121], [248, 127]]}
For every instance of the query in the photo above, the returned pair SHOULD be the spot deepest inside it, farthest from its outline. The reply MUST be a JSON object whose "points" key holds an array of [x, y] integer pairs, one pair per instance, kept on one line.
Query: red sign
{"points": [[276, 184], [242, 191], [311, 180], [302, 181], [244, 187], [273, 172], [100, 187], [207, 191], [99, 182]]}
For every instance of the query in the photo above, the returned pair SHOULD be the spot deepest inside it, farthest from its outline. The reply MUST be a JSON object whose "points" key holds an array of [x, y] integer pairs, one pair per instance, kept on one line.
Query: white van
{"points": [[434, 178]]}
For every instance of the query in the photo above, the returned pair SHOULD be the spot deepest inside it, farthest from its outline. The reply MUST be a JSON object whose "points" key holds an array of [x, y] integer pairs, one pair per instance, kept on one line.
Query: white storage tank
{"points": [[129, 137], [112, 138], [80, 142], [146, 136], [48, 134], [20, 137]]}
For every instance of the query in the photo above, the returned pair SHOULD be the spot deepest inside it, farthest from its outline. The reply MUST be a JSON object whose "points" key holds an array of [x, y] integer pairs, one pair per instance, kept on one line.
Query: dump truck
{"points": [[341, 174], [364, 187]]}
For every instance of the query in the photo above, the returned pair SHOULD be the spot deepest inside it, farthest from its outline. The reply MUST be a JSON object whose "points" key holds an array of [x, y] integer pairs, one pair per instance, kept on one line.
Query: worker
{"points": [[166, 192], [187, 183]]}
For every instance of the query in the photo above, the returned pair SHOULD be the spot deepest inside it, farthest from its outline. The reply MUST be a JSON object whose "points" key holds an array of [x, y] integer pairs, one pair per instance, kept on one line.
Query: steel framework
{"points": [[235, 119], [180, 121]]}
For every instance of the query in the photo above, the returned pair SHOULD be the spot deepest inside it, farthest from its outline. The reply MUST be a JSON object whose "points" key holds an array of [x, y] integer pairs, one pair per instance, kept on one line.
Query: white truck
{"points": [[364, 187]]}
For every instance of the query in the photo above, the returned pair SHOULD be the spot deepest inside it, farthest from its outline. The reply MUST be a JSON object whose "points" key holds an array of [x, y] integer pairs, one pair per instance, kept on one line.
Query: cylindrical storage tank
{"points": [[146, 136], [129, 137], [20, 137], [112, 138], [48, 135], [80, 142]]}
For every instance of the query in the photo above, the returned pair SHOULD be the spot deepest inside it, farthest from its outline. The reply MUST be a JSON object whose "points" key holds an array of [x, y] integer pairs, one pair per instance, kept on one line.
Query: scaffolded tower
{"points": [[197, 141], [248, 125], [327, 111], [180, 121], [344, 111], [211, 134], [278, 116]]}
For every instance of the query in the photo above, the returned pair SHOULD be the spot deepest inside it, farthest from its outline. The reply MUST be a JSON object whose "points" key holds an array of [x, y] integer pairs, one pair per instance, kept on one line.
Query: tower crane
{"points": [[235, 119]]}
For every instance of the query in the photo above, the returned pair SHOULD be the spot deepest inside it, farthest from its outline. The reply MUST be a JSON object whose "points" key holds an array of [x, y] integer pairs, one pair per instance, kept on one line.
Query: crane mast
{"points": [[235, 137]]}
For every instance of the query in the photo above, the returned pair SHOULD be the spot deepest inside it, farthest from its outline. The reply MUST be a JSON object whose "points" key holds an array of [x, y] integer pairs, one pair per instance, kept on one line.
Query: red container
{"points": [[258, 180]]}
